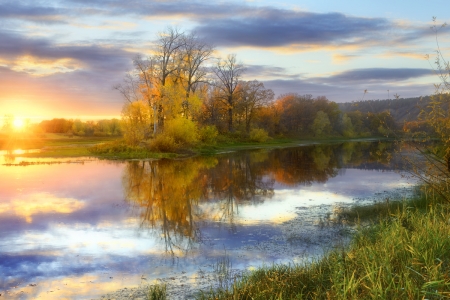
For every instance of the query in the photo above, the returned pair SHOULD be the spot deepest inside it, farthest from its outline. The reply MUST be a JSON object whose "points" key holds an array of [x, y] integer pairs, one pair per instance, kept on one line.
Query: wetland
{"points": [[82, 228]]}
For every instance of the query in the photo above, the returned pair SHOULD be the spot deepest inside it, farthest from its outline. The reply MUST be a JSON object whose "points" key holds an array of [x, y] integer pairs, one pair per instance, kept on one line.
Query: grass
{"points": [[119, 150], [405, 254], [60, 145], [59, 152], [237, 144], [157, 292]]}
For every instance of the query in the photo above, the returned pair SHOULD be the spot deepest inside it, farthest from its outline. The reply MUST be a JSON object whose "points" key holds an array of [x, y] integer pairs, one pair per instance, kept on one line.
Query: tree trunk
{"points": [[230, 113]]}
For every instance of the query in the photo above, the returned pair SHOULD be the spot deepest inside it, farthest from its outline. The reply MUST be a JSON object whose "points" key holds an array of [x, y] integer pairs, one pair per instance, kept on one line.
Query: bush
{"points": [[259, 135], [177, 133], [184, 132], [164, 143], [208, 134], [114, 147]]}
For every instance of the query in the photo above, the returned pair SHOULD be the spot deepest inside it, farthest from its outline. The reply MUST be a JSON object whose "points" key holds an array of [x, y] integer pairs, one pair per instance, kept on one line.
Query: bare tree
{"points": [[167, 49], [228, 72], [194, 55], [128, 88], [253, 96]]}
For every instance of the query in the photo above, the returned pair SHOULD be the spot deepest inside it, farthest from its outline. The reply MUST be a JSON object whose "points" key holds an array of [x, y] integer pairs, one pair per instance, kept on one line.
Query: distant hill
{"points": [[403, 109]]}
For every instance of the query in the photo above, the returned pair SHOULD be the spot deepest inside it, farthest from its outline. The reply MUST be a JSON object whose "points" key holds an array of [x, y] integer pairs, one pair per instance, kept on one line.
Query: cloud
{"points": [[349, 85], [342, 58], [264, 71], [33, 12], [377, 74], [87, 56], [227, 24], [269, 27]]}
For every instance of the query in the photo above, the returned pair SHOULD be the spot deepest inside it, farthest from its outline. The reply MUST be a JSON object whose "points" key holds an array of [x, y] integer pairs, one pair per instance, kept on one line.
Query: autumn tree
{"points": [[167, 80], [136, 121], [252, 97]]}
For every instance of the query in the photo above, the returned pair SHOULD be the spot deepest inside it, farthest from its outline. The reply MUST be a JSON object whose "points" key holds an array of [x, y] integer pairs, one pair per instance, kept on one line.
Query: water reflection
{"points": [[94, 227], [172, 197]]}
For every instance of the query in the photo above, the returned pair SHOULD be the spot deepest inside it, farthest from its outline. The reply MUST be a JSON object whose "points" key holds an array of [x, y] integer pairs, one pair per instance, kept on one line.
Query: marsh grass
{"points": [[157, 292], [382, 209], [120, 150], [406, 255]]}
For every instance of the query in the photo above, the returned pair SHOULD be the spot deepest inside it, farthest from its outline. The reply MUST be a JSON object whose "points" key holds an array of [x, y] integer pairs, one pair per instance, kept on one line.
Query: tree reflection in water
{"points": [[171, 195]]}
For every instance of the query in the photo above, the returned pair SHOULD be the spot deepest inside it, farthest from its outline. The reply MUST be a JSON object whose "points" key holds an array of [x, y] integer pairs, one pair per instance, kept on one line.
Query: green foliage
{"points": [[208, 134], [402, 110], [157, 292], [347, 126], [405, 256], [321, 125], [119, 149], [258, 135]]}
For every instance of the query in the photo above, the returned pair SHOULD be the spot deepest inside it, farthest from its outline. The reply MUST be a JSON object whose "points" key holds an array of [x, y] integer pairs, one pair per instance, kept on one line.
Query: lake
{"points": [[81, 228]]}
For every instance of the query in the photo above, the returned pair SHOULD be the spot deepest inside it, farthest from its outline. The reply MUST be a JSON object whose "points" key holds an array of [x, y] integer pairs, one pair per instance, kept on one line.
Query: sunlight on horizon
{"points": [[19, 123]]}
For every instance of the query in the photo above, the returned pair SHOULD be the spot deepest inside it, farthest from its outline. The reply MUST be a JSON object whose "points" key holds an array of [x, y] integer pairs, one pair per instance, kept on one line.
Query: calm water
{"points": [[82, 229]]}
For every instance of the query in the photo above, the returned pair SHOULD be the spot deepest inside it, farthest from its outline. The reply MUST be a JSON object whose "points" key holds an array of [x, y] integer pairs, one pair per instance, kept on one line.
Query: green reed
{"points": [[404, 256]]}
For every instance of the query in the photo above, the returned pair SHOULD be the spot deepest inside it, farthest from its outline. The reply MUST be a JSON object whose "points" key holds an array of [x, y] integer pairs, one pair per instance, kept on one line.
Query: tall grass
{"points": [[404, 256], [157, 292], [119, 150]]}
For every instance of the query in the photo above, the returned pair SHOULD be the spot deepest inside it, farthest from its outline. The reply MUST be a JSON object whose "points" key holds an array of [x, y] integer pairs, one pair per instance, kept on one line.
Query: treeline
{"points": [[417, 117], [180, 96], [77, 127], [305, 116], [401, 109]]}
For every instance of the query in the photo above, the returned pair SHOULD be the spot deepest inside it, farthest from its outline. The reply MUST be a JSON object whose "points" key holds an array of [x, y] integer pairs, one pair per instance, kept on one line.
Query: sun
{"points": [[18, 123]]}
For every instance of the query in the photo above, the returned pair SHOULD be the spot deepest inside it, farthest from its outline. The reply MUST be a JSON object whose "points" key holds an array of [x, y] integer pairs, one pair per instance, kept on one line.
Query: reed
{"points": [[406, 255]]}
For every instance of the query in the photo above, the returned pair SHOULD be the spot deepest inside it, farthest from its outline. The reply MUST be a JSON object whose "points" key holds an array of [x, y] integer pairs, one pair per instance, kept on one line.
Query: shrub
{"points": [[208, 134], [163, 143], [259, 135], [183, 131], [178, 133]]}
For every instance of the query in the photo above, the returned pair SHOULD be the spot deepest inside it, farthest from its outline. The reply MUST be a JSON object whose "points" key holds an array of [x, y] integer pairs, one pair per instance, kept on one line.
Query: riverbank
{"points": [[405, 254], [399, 250], [63, 146]]}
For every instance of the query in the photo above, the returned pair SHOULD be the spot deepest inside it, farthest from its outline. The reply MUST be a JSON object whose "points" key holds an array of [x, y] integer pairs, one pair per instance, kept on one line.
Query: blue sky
{"points": [[62, 58]]}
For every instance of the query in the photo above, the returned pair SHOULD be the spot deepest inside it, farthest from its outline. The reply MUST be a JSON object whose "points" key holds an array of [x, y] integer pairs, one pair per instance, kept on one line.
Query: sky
{"points": [[62, 58]]}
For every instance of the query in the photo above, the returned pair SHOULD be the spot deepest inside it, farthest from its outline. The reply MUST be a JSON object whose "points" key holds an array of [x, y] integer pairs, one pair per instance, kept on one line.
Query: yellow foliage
{"points": [[178, 132], [259, 135], [208, 134], [136, 121]]}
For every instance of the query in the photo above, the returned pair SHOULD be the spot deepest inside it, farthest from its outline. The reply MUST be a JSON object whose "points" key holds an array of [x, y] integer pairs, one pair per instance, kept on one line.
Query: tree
{"points": [[347, 126], [321, 125], [228, 72], [436, 173], [252, 97], [194, 54], [135, 122], [8, 121], [168, 79]]}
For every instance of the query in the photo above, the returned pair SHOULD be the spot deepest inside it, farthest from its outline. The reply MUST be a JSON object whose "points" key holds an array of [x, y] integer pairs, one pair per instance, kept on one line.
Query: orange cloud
{"points": [[40, 203], [413, 55], [342, 58], [39, 66]]}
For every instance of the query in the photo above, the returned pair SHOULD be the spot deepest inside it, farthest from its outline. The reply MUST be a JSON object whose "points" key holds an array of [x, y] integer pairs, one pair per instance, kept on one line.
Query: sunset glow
{"points": [[19, 123]]}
